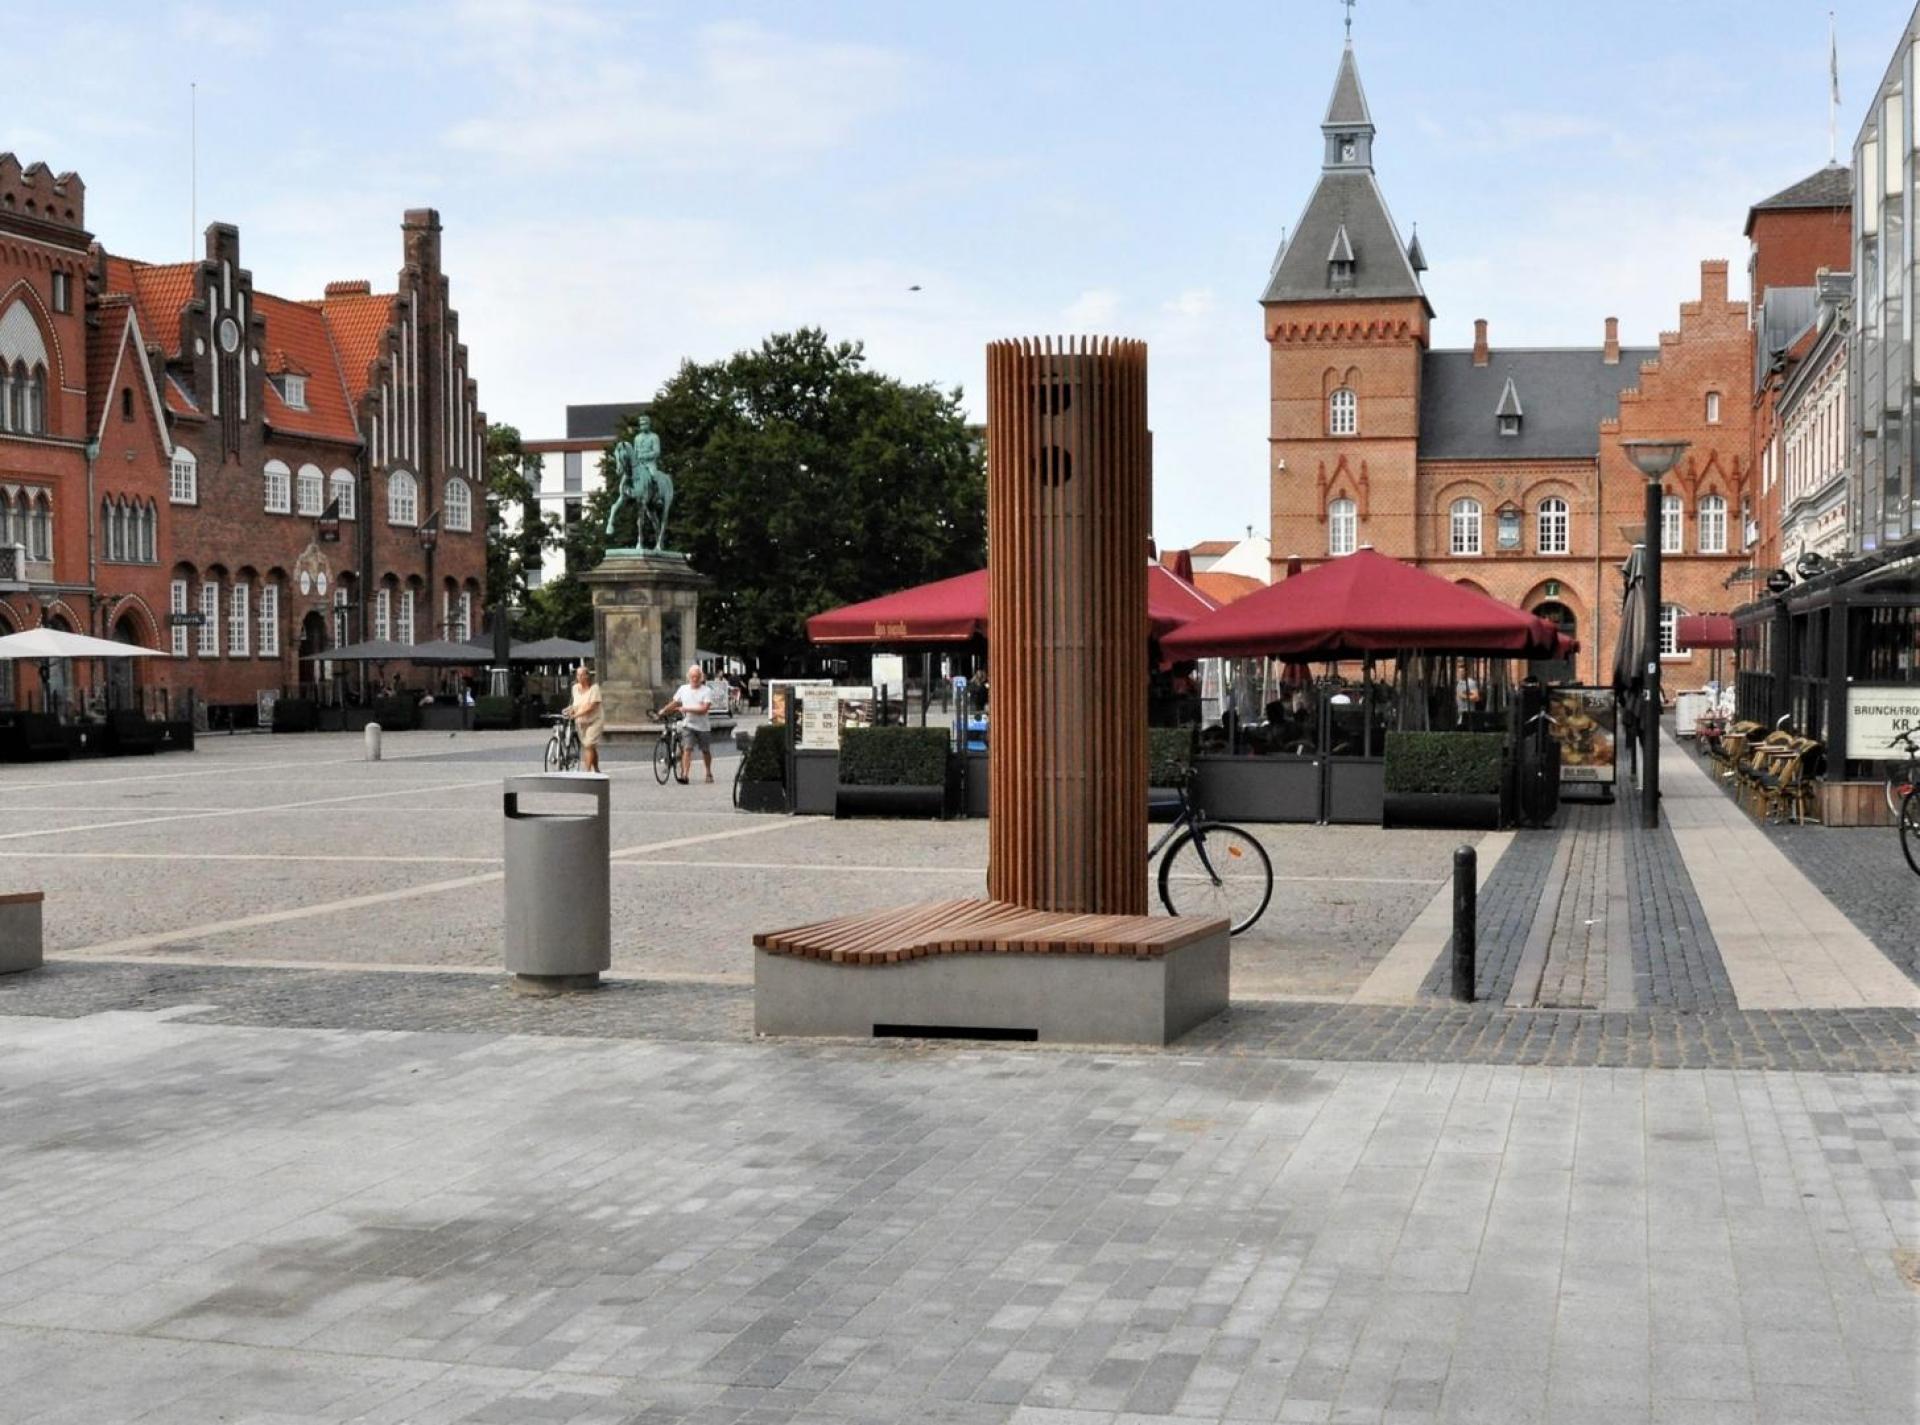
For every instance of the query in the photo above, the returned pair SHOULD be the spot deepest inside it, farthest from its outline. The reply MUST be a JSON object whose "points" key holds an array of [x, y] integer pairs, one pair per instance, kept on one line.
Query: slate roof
{"points": [[1344, 199], [1348, 106], [602, 422], [1827, 187], [1567, 393]]}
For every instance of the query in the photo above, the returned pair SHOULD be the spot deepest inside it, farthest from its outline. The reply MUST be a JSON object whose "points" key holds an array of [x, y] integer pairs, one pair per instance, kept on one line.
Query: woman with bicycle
{"points": [[584, 713]]}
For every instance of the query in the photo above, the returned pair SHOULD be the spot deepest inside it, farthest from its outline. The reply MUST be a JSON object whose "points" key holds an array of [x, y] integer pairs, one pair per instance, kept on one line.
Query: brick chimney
{"points": [[1610, 353], [361, 288], [1479, 341], [1713, 280]]}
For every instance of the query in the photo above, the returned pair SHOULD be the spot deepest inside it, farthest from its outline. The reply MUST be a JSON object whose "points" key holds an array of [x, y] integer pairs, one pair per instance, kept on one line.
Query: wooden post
{"points": [[1068, 504]]}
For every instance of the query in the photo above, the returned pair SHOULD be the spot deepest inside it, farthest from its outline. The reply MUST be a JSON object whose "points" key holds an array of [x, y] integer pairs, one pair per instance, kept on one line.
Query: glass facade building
{"points": [[1883, 358]]}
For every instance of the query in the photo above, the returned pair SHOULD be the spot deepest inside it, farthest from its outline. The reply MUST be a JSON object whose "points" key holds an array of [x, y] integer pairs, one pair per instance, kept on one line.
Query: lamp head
{"points": [[1654, 458]]}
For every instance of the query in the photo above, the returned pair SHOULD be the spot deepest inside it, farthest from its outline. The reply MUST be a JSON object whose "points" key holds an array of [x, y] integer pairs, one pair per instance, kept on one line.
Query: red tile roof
{"points": [[158, 292], [298, 331], [103, 352], [1225, 588], [359, 322], [1212, 546]]}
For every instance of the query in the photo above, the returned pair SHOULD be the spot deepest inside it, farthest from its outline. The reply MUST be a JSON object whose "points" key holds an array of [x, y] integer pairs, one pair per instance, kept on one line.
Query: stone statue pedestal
{"points": [[645, 630]]}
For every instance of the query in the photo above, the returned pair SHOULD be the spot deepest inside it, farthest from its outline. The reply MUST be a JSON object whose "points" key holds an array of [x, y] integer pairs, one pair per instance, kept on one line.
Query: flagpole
{"points": [[1833, 92]]}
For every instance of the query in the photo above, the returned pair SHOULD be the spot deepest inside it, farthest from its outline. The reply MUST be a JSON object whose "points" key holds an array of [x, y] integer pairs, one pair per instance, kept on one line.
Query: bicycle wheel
{"points": [[1216, 870], [663, 758], [555, 759], [739, 778], [1910, 829], [1899, 783]]}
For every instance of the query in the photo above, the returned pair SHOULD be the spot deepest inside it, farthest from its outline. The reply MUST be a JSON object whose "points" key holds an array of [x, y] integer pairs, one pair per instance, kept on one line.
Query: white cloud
{"points": [[1197, 302], [1095, 308]]}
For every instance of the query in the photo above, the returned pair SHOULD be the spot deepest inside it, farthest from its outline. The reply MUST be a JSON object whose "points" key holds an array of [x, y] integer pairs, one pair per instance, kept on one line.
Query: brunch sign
{"points": [[1876, 717]]}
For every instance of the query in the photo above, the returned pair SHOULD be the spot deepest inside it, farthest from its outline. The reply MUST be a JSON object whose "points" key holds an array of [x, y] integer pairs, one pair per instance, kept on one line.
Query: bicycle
{"points": [[1212, 868], [563, 745], [1910, 828], [666, 754], [1905, 776]]}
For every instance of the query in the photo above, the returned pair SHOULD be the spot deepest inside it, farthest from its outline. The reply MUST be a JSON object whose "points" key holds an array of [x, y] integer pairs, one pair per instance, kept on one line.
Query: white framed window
{"points": [[177, 604], [1553, 525], [310, 490], [208, 644], [340, 604], [62, 292], [1713, 525], [279, 488], [340, 488], [1343, 412], [403, 499], [383, 614], [1343, 525], [269, 620], [150, 546], [459, 506], [41, 545], [183, 481], [1713, 408], [239, 630], [403, 633], [1670, 632], [1464, 527], [1673, 538], [295, 390], [466, 615]]}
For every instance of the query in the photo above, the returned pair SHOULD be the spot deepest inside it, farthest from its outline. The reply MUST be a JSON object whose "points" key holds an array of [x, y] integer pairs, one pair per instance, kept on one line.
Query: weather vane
{"points": [[1349, 4]]}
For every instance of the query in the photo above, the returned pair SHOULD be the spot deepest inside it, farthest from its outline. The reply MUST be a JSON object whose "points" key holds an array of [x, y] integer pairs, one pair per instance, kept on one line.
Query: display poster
{"points": [[782, 691], [1875, 719], [263, 703], [890, 672], [1584, 724]]}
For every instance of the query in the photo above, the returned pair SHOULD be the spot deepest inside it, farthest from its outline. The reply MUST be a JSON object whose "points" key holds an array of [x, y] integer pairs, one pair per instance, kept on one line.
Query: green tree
{"points": [[803, 480], [511, 488]]}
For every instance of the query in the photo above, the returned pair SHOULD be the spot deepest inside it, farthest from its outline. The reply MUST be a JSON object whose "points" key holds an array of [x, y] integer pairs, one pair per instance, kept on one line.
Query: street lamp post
{"points": [[1653, 458], [429, 533]]}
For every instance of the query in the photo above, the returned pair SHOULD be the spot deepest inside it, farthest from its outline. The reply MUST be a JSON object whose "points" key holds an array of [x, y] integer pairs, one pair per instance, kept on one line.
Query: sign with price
{"points": [[1875, 719]]}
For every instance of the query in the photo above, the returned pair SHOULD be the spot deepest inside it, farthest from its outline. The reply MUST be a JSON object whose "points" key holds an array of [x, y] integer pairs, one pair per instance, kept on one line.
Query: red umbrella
{"points": [[955, 611], [1364, 603]]}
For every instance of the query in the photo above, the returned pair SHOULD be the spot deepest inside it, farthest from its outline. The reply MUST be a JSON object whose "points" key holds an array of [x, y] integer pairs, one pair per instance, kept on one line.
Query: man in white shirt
{"points": [[694, 701]]}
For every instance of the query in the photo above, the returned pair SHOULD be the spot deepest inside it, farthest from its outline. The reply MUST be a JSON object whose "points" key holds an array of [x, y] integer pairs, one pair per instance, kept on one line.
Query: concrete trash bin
{"points": [[558, 923]]}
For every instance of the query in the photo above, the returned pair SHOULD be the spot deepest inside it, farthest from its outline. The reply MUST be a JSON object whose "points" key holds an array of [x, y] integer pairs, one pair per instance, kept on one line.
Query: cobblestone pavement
{"points": [[1860, 869], [1487, 1033], [275, 1227], [294, 850]]}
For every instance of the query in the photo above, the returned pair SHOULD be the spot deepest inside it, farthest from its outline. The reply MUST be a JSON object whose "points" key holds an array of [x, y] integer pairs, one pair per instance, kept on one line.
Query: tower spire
{"points": [[1349, 4]]}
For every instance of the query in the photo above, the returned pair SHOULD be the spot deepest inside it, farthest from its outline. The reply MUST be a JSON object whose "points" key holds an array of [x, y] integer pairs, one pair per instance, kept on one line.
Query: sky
{"points": [[625, 186]]}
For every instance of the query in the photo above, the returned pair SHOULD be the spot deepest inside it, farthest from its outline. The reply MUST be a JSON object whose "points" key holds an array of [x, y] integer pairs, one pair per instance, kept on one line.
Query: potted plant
{"points": [[893, 771], [1444, 779], [763, 771]]}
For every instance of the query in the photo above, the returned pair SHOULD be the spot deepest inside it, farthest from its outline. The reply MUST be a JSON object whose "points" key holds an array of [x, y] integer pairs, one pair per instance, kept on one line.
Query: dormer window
{"points": [[1508, 412], [1340, 260], [293, 390], [1509, 425]]}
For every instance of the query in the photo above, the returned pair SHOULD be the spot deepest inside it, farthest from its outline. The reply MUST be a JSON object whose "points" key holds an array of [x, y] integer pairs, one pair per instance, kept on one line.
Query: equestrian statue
{"points": [[636, 465]]}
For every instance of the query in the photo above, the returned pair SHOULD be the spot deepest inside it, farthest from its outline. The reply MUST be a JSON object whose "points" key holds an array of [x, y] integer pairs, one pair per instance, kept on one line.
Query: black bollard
{"points": [[1466, 896]]}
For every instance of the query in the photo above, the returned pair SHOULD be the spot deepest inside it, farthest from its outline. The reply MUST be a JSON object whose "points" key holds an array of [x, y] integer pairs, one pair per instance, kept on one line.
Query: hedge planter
{"points": [[926, 802], [295, 715], [762, 797], [1440, 809], [1445, 779], [893, 771]]}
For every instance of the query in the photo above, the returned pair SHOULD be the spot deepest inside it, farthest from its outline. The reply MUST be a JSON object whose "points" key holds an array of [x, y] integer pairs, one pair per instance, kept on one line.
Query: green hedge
{"points": [[767, 754], [894, 757], [1169, 756], [1459, 763], [494, 712]]}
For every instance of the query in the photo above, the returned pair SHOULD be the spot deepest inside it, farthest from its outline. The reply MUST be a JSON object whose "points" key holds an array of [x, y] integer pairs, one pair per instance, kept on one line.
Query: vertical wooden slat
{"points": [[1068, 589]]}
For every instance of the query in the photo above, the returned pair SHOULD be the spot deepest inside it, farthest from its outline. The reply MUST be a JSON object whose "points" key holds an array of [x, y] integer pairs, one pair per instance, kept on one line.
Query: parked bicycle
{"points": [[1903, 777], [666, 753], [563, 745], [1211, 868]]}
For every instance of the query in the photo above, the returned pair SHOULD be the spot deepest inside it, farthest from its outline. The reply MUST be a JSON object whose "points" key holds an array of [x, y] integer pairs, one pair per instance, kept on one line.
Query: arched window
{"points": [[43, 529], [1713, 525], [1343, 523], [1343, 412], [1670, 631], [383, 612], [403, 616], [107, 530], [37, 407], [1464, 521], [1672, 525], [21, 383], [183, 482], [340, 488], [1713, 408], [6, 397], [459, 506], [150, 542], [309, 491], [403, 499], [279, 488], [269, 619], [239, 625], [6, 519], [1553, 525]]}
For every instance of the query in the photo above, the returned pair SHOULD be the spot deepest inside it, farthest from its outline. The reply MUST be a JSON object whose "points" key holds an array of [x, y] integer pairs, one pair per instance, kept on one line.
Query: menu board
{"points": [[1876, 717], [819, 719], [782, 691], [1585, 726]]}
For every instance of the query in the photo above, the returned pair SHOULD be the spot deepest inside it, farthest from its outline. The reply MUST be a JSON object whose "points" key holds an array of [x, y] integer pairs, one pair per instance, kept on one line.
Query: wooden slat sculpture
{"points": [[1068, 494]]}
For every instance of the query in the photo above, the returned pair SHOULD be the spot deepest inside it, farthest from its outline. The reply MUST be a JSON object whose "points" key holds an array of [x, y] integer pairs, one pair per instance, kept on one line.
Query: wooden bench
{"points": [[20, 931], [990, 969]]}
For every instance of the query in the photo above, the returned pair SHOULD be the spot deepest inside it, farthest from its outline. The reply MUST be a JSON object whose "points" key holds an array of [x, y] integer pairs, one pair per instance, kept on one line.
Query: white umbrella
{"points": [[42, 643]]}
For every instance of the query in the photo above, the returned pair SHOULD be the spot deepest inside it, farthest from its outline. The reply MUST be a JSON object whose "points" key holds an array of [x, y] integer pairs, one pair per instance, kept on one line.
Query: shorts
{"points": [[698, 738]]}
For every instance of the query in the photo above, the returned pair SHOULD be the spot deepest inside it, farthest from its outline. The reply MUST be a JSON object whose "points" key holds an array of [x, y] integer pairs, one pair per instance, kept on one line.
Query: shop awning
{"points": [[955, 611], [1364, 603], [1706, 631]]}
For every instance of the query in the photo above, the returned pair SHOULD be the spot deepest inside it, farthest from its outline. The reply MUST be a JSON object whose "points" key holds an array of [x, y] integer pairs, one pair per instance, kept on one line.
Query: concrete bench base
{"points": [[954, 967], [20, 932]]}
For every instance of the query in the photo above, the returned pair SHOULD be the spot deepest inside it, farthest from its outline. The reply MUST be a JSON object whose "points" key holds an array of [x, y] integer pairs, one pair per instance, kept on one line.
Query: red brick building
{"points": [[1495, 467], [297, 473]]}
